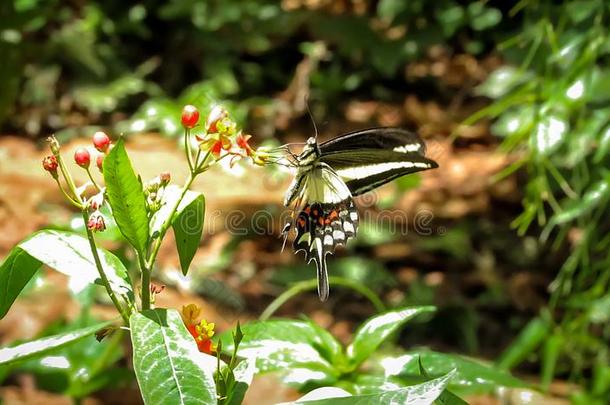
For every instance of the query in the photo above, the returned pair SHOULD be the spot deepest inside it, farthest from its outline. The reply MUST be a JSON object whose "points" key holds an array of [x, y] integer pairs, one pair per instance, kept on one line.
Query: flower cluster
{"points": [[220, 136], [154, 190], [202, 331], [82, 157]]}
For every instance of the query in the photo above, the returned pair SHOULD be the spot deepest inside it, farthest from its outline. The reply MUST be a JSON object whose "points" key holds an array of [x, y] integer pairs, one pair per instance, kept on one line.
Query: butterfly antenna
{"points": [[315, 127]]}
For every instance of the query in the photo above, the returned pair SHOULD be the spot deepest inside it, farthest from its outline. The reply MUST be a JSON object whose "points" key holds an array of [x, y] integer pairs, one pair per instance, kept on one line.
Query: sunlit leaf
{"points": [[168, 366], [65, 252], [420, 394], [301, 350], [372, 333], [471, 376], [126, 198], [39, 347]]}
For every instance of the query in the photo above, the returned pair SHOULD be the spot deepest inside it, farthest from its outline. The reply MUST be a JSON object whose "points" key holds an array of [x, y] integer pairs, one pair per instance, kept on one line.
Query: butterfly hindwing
{"points": [[328, 218]]}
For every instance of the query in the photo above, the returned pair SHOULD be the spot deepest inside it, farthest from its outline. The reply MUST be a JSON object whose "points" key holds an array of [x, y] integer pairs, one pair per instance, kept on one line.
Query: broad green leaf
{"points": [[187, 222], [376, 330], [168, 366], [447, 397], [302, 350], [65, 252], [420, 394], [471, 375], [9, 355], [527, 341], [126, 198], [244, 373]]}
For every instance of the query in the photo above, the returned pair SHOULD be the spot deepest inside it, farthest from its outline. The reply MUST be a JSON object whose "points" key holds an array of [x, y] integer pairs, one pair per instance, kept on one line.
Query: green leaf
{"points": [[301, 349], [168, 366], [126, 198], [244, 373], [9, 355], [527, 341], [187, 222], [447, 397], [424, 393], [16, 271], [376, 330], [471, 375], [65, 252], [550, 355]]}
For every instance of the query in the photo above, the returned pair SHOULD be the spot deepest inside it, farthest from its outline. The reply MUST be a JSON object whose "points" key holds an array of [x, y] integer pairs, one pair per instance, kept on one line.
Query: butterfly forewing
{"points": [[396, 139]]}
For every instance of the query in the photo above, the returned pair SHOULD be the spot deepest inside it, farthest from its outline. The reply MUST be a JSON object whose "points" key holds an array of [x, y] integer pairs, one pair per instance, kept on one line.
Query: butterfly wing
{"points": [[327, 219], [368, 159], [376, 138]]}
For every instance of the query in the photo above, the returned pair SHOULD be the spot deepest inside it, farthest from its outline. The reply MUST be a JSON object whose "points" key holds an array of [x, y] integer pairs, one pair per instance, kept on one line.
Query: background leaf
{"points": [[126, 197], [375, 330], [9, 355], [168, 366]]}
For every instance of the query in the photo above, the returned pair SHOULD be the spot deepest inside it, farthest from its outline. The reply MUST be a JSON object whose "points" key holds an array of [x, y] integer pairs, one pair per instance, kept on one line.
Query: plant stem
{"points": [[187, 148], [63, 191], [100, 269], [145, 284], [92, 180], [307, 285]]}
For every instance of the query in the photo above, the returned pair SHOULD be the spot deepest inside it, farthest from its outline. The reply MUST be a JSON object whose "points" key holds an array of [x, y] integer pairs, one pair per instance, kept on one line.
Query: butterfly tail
{"points": [[323, 290]]}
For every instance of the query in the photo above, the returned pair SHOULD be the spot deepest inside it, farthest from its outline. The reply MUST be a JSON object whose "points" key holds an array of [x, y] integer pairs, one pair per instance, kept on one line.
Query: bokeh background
{"points": [[509, 237]]}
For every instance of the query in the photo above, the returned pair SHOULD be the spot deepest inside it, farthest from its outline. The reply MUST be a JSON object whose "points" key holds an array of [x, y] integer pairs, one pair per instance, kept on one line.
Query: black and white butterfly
{"points": [[330, 174]]}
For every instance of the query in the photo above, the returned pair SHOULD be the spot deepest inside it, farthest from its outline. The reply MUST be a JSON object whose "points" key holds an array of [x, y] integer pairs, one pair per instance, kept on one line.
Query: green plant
{"points": [[551, 109], [307, 356]]}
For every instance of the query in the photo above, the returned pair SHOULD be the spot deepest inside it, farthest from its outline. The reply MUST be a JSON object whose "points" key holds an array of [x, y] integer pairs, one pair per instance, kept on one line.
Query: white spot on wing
{"points": [[360, 172], [410, 147], [348, 227]]}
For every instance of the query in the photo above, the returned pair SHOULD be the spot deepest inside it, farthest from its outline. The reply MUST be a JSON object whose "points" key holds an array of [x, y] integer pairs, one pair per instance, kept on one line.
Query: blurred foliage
{"points": [[72, 64], [552, 108]]}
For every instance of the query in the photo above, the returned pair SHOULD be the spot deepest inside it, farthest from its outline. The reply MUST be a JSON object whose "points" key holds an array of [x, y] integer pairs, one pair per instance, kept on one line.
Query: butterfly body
{"points": [[330, 174]]}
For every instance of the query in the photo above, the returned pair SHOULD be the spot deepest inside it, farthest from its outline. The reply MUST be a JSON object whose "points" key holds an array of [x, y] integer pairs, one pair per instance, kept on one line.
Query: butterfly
{"points": [[328, 176]]}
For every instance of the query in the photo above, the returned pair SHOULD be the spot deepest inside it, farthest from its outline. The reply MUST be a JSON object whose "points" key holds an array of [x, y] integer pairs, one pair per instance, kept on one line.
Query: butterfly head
{"points": [[310, 152]]}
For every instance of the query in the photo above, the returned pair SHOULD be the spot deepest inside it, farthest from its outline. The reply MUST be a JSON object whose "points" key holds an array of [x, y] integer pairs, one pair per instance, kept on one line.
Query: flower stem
{"points": [[100, 269], [147, 265], [187, 148], [92, 180], [63, 191]]}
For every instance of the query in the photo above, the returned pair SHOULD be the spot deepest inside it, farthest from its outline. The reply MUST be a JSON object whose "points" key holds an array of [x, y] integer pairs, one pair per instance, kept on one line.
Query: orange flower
{"points": [[215, 142], [202, 332], [242, 142]]}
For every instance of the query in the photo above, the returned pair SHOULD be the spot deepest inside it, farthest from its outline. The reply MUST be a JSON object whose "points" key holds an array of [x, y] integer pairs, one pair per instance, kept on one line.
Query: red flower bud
{"points": [[99, 161], [96, 222], [101, 141], [82, 157], [49, 163], [190, 116]]}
